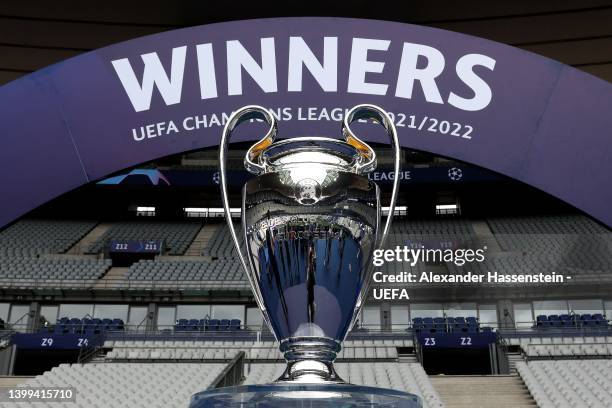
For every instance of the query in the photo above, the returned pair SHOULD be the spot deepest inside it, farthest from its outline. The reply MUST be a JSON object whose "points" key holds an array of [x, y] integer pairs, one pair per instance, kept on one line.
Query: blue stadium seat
{"points": [[599, 320], [471, 320], [417, 324], [106, 324], [541, 322], [235, 324], [461, 327], [74, 325], [202, 324], [118, 325], [193, 324], [451, 325], [587, 320], [224, 324], [214, 324], [181, 325], [60, 329]]}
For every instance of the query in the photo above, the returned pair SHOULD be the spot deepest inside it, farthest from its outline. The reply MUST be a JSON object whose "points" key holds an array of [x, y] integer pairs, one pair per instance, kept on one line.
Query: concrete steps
{"points": [[476, 391], [484, 233], [113, 278], [93, 235], [10, 381], [201, 240], [408, 358], [513, 358]]}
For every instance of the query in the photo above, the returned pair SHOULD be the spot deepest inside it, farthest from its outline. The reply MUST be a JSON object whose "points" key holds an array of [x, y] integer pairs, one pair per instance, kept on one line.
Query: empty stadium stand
{"points": [[30, 238], [199, 325], [128, 384], [446, 226], [562, 224], [384, 361], [565, 337], [211, 349], [584, 321], [568, 383], [221, 244], [85, 325], [448, 325], [176, 236], [181, 350], [579, 350], [70, 272], [570, 245], [184, 270]]}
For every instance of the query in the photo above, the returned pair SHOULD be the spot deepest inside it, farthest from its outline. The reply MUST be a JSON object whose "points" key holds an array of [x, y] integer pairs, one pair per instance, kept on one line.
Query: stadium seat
{"points": [[224, 324], [213, 325], [32, 238], [561, 383]]}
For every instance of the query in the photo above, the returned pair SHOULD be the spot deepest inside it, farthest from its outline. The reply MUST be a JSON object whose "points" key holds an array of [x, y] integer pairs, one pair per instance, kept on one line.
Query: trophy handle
{"points": [[252, 160], [380, 116], [235, 119]]}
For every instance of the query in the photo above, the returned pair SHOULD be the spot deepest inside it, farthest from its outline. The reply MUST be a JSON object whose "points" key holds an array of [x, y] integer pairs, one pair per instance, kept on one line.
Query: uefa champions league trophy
{"points": [[310, 222]]}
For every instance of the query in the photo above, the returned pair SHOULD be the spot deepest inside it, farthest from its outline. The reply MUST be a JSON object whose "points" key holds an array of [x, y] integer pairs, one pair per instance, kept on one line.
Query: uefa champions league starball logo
{"points": [[216, 177], [455, 174]]}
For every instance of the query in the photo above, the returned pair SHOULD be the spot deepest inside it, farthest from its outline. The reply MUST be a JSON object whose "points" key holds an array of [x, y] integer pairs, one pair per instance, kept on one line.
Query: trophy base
{"points": [[283, 395]]}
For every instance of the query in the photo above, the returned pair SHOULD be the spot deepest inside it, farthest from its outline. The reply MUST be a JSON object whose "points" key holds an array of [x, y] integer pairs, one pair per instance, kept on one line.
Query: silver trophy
{"points": [[311, 220]]}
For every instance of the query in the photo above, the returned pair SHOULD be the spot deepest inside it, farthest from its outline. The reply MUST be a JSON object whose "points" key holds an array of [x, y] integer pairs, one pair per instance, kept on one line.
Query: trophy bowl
{"points": [[311, 220]]}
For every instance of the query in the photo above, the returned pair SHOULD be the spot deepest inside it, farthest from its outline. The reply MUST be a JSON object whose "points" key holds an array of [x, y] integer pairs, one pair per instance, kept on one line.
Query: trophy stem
{"points": [[310, 360]]}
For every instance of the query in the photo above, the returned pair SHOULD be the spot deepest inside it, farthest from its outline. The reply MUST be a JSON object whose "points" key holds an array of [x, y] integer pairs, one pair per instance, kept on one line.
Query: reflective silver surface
{"points": [[310, 222]]}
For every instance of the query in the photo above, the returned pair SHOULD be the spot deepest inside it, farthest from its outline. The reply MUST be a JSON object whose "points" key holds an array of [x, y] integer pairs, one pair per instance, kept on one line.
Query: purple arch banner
{"points": [[522, 115]]}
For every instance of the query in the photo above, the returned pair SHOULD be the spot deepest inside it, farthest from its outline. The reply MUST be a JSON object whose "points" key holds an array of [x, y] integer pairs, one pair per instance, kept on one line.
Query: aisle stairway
{"points": [[513, 358], [484, 233], [114, 278], [201, 240], [93, 235], [10, 381], [476, 391]]}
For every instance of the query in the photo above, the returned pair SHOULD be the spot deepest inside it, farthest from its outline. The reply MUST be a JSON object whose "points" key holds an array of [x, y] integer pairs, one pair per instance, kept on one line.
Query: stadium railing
{"points": [[246, 333], [122, 284], [507, 334]]}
